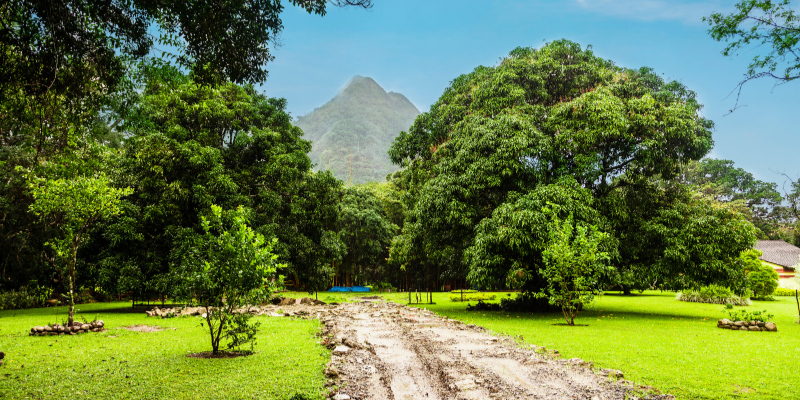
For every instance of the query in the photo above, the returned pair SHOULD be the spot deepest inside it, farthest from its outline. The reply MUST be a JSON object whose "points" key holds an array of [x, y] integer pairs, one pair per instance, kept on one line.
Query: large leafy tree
{"points": [[539, 115], [697, 243], [769, 24], [192, 146]]}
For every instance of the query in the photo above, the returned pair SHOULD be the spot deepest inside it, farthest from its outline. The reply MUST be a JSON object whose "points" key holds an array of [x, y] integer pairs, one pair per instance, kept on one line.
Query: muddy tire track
{"points": [[384, 350]]}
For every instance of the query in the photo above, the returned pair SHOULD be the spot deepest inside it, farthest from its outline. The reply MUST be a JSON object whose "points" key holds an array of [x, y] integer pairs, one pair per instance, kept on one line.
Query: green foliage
{"points": [[699, 243], [353, 131], [572, 265], [366, 233], [713, 294], [73, 206], [770, 24], [720, 181], [762, 278], [784, 292], [529, 302], [472, 297], [192, 146], [745, 315], [226, 268], [25, 297], [537, 117], [509, 244]]}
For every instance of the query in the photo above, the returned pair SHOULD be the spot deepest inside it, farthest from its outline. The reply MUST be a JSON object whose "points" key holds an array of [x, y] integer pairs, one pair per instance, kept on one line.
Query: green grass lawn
{"points": [[656, 340], [121, 364]]}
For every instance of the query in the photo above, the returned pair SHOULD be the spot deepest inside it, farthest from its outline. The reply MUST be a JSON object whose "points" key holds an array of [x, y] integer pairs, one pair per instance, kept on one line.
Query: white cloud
{"points": [[690, 12]]}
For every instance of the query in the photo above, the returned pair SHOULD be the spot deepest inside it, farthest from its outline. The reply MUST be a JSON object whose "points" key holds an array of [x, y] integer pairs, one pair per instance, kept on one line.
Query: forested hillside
{"points": [[351, 134]]}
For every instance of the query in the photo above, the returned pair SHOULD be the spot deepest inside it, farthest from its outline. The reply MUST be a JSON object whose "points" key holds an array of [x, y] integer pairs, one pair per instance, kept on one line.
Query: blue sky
{"points": [[417, 47]]}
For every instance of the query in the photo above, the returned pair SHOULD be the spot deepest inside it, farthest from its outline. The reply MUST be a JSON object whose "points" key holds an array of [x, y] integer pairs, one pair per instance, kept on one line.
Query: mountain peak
{"points": [[352, 132], [360, 83]]}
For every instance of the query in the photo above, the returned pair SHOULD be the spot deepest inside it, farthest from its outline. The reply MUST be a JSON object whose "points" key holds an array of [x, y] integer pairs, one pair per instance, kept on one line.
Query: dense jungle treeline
{"points": [[549, 141]]}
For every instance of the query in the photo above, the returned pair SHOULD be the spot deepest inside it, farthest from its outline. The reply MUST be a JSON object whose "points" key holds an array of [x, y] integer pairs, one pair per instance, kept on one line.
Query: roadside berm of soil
{"points": [[384, 350]]}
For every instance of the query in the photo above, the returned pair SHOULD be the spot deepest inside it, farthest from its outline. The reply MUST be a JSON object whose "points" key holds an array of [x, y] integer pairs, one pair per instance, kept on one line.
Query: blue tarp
{"points": [[349, 289]]}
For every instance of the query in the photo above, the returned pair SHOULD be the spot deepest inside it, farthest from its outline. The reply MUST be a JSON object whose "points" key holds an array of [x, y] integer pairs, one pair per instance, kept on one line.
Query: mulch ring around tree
{"points": [[221, 354]]}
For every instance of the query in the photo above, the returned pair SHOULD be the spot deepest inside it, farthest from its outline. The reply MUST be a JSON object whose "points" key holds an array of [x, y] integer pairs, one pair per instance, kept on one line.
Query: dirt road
{"points": [[385, 350]]}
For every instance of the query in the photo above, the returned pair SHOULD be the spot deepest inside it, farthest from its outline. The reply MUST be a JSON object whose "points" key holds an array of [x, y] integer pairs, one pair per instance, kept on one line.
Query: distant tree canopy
{"points": [[501, 134], [759, 201], [352, 133]]}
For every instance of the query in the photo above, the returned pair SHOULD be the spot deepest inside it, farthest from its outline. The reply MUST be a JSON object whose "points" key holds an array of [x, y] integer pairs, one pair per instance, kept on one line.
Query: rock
{"points": [[48, 328], [349, 343], [341, 350], [754, 328], [611, 373], [771, 327], [739, 323], [760, 324], [724, 321], [287, 302], [86, 327], [341, 396], [51, 303], [753, 323], [101, 324], [332, 372], [276, 300], [576, 361]]}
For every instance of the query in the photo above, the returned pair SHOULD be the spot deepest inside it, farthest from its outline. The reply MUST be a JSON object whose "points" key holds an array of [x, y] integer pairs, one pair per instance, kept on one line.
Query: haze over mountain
{"points": [[352, 132]]}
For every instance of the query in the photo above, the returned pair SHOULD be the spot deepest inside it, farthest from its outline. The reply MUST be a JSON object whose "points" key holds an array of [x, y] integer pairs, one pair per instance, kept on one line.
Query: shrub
{"points": [[24, 298], [459, 291], [528, 302], [744, 315], [713, 294], [481, 306], [783, 292], [227, 268], [763, 282], [472, 296]]}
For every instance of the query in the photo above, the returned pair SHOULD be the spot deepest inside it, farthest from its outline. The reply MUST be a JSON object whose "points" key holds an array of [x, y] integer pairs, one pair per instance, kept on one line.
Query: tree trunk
{"points": [[71, 274]]}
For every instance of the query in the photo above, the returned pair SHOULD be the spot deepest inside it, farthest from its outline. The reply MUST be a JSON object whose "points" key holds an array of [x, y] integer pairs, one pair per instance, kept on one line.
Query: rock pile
{"points": [[754, 326], [252, 310], [76, 328], [174, 312]]}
